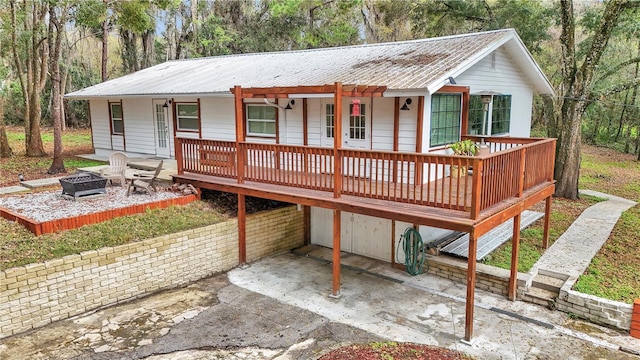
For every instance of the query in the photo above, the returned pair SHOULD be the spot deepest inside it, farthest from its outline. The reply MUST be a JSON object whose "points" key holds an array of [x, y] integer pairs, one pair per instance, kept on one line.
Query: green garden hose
{"points": [[414, 251]]}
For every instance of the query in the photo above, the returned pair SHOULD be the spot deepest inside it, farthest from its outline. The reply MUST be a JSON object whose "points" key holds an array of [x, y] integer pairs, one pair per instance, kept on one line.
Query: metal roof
{"points": [[416, 64]]}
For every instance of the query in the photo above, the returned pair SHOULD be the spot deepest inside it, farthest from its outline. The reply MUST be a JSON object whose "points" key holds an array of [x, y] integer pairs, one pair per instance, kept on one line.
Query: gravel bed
{"points": [[46, 206]]}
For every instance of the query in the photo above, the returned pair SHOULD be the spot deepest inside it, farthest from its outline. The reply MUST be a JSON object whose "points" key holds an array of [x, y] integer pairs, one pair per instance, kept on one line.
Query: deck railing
{"points": [[513, 166]]}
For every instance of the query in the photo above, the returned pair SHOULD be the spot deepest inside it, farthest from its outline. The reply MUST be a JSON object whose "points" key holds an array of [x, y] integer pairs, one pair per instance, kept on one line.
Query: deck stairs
{"points": [[545, 289]]}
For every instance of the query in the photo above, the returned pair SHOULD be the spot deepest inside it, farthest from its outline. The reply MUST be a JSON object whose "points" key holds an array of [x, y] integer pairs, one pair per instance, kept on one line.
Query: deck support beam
{"points": [[547, 222], [242, 230], [515, 249], [335, 289], [471, 285]]}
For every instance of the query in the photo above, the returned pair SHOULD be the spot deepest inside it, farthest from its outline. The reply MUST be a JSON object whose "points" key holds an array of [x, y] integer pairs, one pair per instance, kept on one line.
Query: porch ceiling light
{"points": [[406, 103]]}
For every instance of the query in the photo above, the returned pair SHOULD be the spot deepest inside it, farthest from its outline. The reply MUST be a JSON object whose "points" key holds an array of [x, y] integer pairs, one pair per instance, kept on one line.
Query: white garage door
{"points": [[360, 234]]}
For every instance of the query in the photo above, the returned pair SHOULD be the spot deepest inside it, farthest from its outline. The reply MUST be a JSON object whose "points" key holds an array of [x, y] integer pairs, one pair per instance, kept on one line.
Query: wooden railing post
{"points": [[179, 156], [337, 140], [476, 185], [523, 162], [239, 108]]}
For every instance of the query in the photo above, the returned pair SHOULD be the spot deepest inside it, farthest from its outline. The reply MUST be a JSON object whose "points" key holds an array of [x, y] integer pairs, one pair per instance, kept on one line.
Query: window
{"points": [[445, 118], [117, 122], [358, 124], [188, 117], [261, 120], [501, 114], [476, 115], [329, 124], [500, 117]]}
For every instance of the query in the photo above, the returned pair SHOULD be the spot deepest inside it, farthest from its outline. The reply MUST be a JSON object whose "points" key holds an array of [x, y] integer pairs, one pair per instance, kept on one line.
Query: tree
{"points": [[29, 51], [5, 149], [576, 91], [58, 11], [530, 18]]}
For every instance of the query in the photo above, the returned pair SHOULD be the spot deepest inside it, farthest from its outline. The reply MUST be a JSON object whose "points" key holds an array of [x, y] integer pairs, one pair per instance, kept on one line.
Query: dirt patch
{"points": [[393, 350], [227, 203], [78, 141]]}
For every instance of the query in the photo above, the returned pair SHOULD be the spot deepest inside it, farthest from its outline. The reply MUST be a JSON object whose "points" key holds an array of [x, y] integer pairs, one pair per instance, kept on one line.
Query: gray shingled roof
{"points": [[415, 64]]}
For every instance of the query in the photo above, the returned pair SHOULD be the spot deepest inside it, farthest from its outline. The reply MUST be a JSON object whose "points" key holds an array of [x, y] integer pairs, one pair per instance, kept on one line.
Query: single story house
{"points": [[356, 135]]}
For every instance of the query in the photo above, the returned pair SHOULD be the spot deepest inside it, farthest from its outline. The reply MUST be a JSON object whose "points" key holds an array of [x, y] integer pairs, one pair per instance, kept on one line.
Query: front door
{"points": [[356, 128], [161, 128]]}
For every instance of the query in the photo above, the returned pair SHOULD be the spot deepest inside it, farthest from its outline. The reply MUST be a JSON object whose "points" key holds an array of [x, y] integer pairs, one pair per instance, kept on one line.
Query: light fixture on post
{"points": [[355, 103], [406, 103], [166, 104], [486, 97], [290, 105]]}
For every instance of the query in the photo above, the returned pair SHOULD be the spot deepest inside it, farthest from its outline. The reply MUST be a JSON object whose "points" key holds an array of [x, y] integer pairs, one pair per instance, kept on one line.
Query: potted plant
{"points": [[463, 147]]}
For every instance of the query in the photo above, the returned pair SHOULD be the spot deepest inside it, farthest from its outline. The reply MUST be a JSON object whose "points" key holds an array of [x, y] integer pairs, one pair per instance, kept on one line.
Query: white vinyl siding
{"points": [[497, 73], [217, 118], [140, 133], [100, 129]]}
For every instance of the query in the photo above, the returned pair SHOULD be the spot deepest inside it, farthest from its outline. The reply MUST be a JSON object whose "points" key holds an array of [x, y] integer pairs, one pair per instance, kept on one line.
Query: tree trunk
{"points": [[5, 149], [55, 44], [105, 44], [577, 82]]}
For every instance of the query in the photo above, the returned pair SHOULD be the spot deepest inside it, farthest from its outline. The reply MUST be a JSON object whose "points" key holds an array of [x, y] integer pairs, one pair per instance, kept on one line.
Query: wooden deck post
{"points": [[242, 231], [337, 139], [471, 285], [515, 249], [239, 108], [335, 292], [547, 222]]}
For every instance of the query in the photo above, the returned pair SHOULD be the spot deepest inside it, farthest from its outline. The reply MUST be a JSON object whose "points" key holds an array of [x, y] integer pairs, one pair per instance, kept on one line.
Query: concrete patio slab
{"points": [[12, 189], [32, 184], [415, 309]]}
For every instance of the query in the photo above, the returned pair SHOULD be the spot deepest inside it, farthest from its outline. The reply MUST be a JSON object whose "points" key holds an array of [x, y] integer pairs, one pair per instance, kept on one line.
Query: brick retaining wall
{"points": [[489, 278], [595, 309], [35, 295]]}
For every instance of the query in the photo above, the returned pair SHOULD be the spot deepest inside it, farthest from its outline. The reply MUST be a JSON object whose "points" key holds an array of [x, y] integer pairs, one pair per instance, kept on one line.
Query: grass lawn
{"points": [[19, 247], [614, 272], [75, 142]]}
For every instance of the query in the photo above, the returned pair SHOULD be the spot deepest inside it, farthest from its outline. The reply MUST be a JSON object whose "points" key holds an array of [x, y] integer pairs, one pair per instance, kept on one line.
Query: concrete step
{"points": [[540, 296], [547, 283]]}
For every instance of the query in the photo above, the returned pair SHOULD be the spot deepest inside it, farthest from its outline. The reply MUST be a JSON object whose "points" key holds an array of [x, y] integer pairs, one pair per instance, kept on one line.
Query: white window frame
{"points": [[264, 121], [113, 119], [180, 117]]}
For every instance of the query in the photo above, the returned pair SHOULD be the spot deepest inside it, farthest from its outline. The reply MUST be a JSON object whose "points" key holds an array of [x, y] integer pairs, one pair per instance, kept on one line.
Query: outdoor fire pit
{"points": [[82, 185]]}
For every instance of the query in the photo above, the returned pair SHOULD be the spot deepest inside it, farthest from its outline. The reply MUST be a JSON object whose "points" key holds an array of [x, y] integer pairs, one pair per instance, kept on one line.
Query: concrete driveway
{"points": [[278, 308]]}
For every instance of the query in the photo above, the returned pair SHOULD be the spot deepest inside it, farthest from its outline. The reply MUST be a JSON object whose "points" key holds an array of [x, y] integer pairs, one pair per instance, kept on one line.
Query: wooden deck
{"points": [[383, 184]]}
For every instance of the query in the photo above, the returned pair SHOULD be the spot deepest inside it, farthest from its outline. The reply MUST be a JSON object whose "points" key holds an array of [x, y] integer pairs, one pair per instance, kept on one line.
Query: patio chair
{"points": [[116, 169], [145, 181]]}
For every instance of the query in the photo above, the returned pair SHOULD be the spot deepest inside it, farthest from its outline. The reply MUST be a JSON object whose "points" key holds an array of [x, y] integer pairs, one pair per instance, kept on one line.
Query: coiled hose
{"points": [[414, 251]]}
